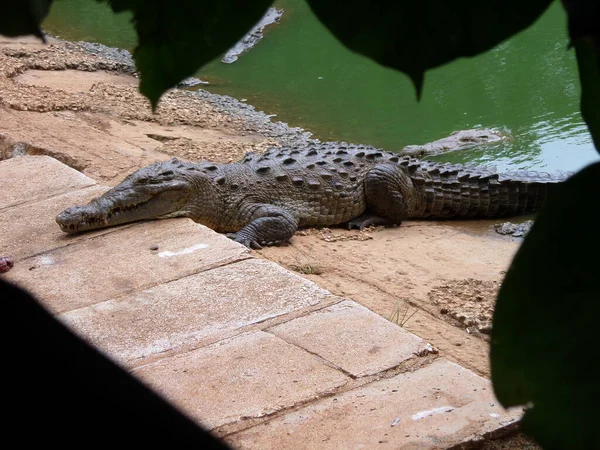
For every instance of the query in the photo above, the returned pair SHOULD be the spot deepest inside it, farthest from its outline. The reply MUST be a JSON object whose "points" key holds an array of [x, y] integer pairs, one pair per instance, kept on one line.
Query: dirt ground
{"points": [[436, 279]]}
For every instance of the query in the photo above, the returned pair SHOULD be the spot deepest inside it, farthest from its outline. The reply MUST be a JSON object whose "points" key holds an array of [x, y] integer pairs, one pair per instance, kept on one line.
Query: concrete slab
{"points": [[114, 264], [251, 375], [339, 334], [51, 178], [186, 311], [30, 229], [435, 407]]}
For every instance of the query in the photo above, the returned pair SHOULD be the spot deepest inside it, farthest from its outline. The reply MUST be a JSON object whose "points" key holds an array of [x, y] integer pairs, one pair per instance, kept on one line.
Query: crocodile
{"points": [[264, 198], [458, 140]]}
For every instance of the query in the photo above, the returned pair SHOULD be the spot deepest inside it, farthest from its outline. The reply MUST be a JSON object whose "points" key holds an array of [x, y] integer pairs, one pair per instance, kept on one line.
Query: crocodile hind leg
{"points": [[267, 225], [386, 205]]}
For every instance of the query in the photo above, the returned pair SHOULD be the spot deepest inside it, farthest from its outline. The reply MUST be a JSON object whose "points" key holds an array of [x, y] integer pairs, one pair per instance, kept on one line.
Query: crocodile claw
{"points": [[250, 243]]}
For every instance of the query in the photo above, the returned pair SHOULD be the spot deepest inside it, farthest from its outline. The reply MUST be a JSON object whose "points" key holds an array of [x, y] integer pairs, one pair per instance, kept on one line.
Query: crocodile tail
{"points": [[456, 191], [525, 191]]}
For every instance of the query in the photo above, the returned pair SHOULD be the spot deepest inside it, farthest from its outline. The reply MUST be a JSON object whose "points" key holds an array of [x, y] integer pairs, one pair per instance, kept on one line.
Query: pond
{"points": [[527, 87]]}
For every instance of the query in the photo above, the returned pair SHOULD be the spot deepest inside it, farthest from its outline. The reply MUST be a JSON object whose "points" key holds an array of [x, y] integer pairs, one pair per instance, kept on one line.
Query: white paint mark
{"points": [[396, 421], [494, 415], [46, 260], [193, 248], [431, 412]]}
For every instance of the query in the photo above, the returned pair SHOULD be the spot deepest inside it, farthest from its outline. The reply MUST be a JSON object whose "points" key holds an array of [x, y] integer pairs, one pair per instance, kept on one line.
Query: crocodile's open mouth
{"points": [[157, 191], [84, 218], [102, 213]]}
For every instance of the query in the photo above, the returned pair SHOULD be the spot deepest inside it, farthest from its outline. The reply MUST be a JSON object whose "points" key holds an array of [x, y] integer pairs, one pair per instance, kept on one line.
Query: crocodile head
{"points": [[158, 191]]}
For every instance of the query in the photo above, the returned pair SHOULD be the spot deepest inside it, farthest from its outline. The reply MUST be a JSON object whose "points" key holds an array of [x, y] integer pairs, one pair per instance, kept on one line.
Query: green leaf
{"points": [[176, 38], [544, 345], [22, 17], [416, 35]]}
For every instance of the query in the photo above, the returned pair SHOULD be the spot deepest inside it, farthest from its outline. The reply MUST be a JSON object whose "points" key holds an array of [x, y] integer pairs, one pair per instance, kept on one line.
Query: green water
{"points": [[527, 86]]}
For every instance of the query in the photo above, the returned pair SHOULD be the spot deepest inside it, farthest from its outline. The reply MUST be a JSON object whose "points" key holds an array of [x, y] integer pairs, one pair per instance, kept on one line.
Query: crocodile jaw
{"points": [[118, 206]]}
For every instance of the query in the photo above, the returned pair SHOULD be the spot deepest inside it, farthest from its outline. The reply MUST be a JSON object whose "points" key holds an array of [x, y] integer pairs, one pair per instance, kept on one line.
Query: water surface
{"points": [[527, 86]]}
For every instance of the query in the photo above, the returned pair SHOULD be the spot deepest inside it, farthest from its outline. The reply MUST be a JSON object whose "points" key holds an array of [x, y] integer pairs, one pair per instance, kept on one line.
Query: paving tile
{"points": [[31, 228], [351, 337], [114, 264], [434, 407], [33, 178], [188, 310], [251, 375]]}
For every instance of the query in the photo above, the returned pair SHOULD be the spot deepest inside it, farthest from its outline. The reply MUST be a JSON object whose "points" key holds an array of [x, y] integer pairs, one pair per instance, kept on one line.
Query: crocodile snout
{"points": [[72, 220]]}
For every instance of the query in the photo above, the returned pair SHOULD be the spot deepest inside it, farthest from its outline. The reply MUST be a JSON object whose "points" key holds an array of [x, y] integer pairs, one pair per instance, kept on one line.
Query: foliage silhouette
{"points": [[542, 341]]}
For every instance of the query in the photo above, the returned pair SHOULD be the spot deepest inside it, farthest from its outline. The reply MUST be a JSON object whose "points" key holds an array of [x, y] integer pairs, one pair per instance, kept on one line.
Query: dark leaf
{"points": [[22, 17], [544, 337], [589, 75], [584, 30], [584, 21], [416, 35], [176, 38]]}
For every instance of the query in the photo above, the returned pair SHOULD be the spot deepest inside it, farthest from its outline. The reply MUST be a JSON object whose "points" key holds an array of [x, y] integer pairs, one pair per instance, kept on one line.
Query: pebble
{"points": [[154, 247]]}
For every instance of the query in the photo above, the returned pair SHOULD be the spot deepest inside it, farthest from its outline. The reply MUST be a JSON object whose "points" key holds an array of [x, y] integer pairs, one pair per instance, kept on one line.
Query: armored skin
{"points": [[264, 198]]}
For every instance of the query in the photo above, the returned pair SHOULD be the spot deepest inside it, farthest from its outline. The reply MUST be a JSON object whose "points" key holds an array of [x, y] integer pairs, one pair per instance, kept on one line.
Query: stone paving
{"points": [[257, 354]]}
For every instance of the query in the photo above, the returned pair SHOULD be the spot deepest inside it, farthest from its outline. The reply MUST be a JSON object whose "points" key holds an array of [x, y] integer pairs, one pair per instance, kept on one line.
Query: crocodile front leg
{"points": [[386, 205], [268, 225]]}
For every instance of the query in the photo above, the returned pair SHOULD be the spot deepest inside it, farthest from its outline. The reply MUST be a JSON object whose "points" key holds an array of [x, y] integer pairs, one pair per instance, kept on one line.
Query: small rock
{"points": [[154, 247], [514, 229], [487, 329]]}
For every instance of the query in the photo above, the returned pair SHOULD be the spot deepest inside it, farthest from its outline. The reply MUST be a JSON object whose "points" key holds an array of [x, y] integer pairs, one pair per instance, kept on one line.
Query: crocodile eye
{"points": [[141, 181]]}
